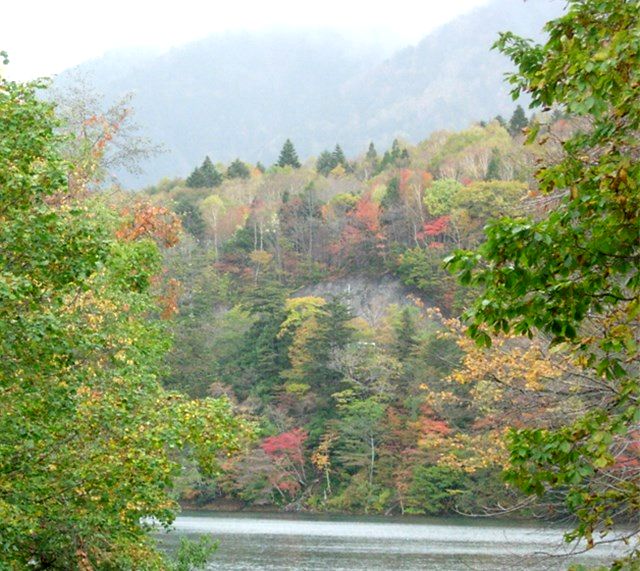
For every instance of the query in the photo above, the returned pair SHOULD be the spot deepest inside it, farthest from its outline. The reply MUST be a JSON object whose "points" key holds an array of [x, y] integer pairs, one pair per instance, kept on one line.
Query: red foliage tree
{"points": [[286, 452]]}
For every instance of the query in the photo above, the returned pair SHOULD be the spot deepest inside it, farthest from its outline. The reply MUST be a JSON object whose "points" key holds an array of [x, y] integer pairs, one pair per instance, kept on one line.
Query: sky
{"points": [[44, 37]]}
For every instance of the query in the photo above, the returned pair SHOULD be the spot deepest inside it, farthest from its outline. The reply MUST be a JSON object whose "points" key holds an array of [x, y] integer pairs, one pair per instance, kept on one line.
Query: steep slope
{"points": [[451, 78]]}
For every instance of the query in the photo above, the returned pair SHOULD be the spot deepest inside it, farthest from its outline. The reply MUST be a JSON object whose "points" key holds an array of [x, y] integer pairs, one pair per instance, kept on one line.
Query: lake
{"points": [[334, 543]]}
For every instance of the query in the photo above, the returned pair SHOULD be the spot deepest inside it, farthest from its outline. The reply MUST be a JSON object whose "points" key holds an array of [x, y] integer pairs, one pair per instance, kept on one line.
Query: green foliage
{"points": [[338, 156], [191, 218], [204, 176], [493, 170], [517, 122], [439, 197], [325, 163], [372, 154], [574, 274], [193, 555], [422, 268], [433, 489], [86, 429], [238, 169], [288, 156]]}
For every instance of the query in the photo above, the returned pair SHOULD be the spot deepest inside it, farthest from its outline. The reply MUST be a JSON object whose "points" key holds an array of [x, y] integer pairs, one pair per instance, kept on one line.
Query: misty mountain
{"points": [[242, 94]]}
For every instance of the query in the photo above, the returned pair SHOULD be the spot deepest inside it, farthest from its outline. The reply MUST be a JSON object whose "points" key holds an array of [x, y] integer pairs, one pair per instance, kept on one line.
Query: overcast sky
{"points": [[44, 37]]}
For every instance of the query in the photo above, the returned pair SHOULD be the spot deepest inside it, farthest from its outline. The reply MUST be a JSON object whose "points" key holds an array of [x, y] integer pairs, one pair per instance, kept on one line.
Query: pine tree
{"points": [[372, 154], [325, 163], [204, 176], [405, 335], [288, 156], [338, 156], [392, 196], [493, 169], [333, 333], [395, 149], [237, 169], [517, 122]]}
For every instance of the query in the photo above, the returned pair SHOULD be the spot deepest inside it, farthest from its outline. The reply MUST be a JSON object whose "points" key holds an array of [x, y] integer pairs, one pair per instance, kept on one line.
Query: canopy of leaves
{"points": [[86, 429], [574, 274]]}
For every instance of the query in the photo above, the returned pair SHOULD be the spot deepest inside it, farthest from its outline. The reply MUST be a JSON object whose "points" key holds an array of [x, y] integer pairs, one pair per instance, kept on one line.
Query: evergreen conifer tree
{"points": [[405, 335], [334, 332], [338, 156], [392, 196], [372, 154], [493, 169], [517, 122], [288, 156], [204, 176], [325, 163], [237, 169], [395, 149]]}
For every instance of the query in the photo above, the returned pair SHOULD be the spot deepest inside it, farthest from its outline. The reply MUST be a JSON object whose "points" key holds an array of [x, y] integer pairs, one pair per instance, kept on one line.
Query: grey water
{"points": [[334, 543]]}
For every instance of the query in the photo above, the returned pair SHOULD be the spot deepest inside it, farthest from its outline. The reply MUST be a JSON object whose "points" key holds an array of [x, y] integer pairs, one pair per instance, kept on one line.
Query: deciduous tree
{"points": [[574, 272]]}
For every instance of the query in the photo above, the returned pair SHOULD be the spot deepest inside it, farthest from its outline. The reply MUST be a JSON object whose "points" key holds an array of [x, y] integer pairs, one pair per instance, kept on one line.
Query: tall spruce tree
{"points": [[325, 163], [338, 156], [517, 122], [372, 154], [493, 169], [204, 176], [334, 332], [288, 156]]}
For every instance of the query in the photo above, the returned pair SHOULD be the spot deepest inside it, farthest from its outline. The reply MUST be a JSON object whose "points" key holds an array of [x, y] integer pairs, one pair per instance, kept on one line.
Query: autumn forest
{"points": [[441, 327]]}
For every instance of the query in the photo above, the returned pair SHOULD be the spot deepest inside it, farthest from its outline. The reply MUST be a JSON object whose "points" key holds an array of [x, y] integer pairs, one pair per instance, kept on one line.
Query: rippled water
{"points": [[303, 542]]}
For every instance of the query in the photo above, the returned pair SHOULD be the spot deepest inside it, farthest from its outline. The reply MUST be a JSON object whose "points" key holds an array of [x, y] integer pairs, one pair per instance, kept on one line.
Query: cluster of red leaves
{"points": [[367, 214], [427, 424], [435, 227], [362, 233], [288, 444]]}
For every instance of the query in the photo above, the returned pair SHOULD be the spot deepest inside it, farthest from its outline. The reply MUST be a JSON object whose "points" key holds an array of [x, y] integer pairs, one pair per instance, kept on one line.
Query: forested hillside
{"points": [[315, 298], [243, 94], [441, 323]]}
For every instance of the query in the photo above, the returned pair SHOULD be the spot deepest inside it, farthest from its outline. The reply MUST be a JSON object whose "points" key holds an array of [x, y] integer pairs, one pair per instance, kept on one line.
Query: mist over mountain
{"points": [[242, 94]]}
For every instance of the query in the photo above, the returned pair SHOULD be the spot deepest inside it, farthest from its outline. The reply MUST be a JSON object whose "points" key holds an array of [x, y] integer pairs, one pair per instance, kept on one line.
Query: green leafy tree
{"points": [[573, 273], [405, 335], [288, 156], [85, 429]]}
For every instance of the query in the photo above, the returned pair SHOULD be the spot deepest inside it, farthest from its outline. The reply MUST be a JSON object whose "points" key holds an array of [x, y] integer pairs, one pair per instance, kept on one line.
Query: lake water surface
{"points": [[335, 543]]}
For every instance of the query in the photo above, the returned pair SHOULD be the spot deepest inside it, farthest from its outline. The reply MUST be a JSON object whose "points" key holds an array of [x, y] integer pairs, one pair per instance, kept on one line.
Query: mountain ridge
{"points": [[242, 94]]}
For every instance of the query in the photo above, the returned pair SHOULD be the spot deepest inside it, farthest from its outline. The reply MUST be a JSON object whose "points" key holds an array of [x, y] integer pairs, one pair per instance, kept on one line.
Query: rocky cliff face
{"points": [[368, 298]]}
